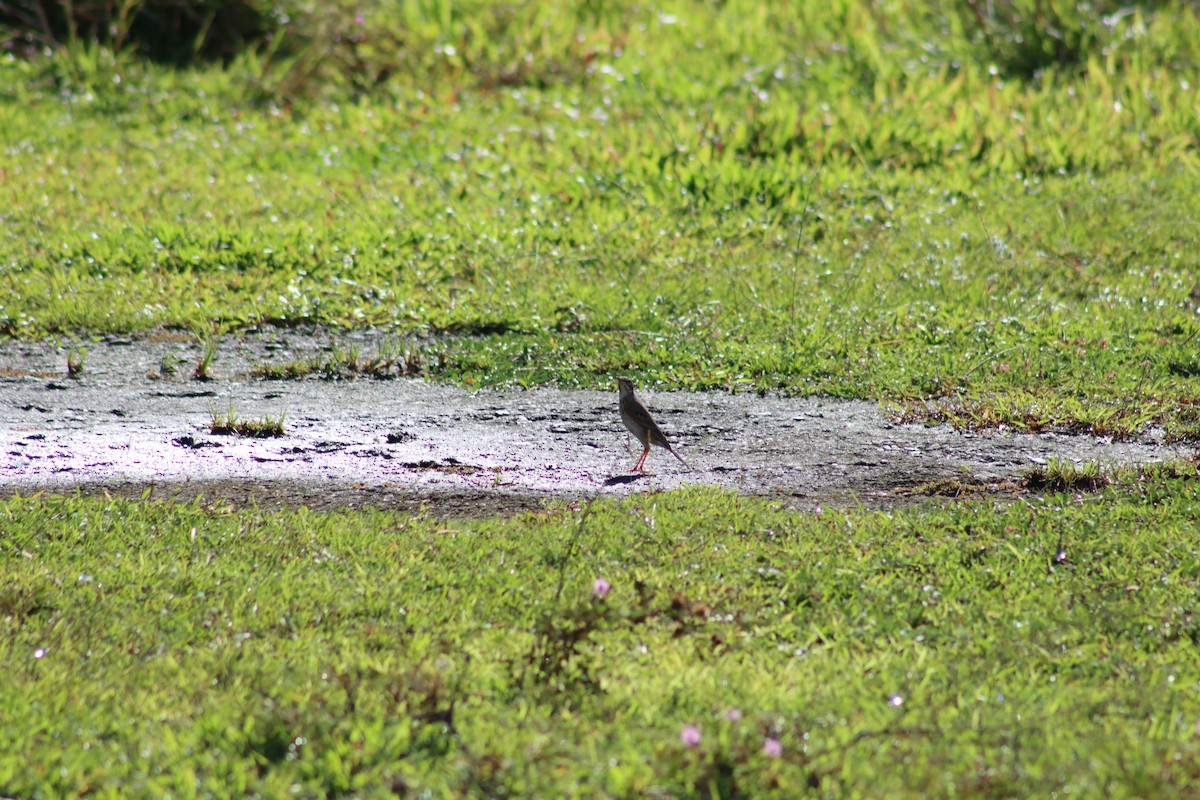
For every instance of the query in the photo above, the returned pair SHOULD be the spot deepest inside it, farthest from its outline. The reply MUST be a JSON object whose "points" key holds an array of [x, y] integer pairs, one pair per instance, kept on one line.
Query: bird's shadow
{"points": [[617, 480]]}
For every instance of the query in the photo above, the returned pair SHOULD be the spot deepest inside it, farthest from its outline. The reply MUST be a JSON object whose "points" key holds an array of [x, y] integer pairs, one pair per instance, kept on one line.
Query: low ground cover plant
{"points": [[693, 643], [979, 214]]}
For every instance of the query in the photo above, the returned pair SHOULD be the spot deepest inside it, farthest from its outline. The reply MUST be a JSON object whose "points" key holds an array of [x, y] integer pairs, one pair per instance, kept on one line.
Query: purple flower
{"points": [[733, 714], [600, 588], [772, 748], [690, 735]]}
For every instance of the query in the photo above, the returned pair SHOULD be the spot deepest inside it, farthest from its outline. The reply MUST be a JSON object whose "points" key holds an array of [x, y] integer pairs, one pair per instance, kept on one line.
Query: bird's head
{"points": [[624, 385]]}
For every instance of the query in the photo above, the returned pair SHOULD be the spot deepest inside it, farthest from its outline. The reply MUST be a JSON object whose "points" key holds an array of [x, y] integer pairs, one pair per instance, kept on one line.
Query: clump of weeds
{"points": [[228, 424]]}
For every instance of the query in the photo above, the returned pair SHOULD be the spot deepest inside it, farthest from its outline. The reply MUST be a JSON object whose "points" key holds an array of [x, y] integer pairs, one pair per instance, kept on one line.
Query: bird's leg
{"points": [[640, 466]]}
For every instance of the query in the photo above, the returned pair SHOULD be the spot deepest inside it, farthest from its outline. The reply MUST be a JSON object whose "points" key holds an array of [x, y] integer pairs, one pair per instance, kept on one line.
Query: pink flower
{"points": [[690, 735], [772, 748], [733, 714], [600, 588]]}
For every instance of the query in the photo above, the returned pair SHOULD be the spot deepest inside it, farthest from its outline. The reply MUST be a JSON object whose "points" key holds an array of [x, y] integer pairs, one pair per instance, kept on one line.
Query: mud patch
{"points": [[409, 444]]}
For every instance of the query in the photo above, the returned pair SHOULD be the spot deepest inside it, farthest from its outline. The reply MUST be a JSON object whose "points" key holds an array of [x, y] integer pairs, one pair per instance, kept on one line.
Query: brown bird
{"points": [[639, 422]]}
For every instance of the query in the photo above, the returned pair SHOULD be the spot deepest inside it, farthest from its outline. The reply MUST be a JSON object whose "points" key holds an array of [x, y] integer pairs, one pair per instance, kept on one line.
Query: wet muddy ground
{"points": [[122, 428]]}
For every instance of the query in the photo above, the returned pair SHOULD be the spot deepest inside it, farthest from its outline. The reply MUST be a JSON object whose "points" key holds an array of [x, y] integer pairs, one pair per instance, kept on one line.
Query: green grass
{"points": [[987, 221], [975, 650], [168, 365], [891, 201], [211, 345], [228, 424], [76, 357], [389, 360], [1064, 476]]}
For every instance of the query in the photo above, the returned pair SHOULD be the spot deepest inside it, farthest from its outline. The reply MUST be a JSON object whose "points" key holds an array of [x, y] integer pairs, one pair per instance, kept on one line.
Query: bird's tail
{"points": [[671, 450]]}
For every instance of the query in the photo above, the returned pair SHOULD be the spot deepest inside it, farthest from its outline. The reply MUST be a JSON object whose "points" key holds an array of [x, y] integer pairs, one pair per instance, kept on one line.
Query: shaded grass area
{"points": [[292, 49], [980, 650], [849, 200]]}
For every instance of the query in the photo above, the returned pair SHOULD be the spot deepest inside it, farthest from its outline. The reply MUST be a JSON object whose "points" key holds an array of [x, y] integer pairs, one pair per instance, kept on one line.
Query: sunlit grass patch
{"points": [[683, 641], [1059, 476], [1065, 476], [1060, 412], [228, 424]]}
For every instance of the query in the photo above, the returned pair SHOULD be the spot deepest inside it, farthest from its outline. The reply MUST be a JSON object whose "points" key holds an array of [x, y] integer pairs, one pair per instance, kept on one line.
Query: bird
{"points": [[643, 427]]}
